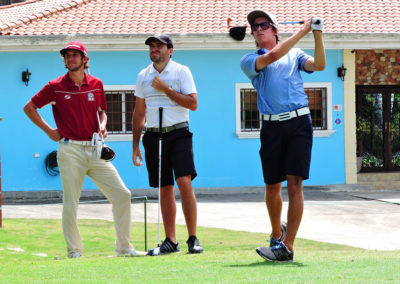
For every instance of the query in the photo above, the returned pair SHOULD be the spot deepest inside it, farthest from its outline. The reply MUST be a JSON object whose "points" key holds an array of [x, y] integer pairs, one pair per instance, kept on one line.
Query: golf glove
{"points": [[316, 24], [97, 144], [97, 152]]}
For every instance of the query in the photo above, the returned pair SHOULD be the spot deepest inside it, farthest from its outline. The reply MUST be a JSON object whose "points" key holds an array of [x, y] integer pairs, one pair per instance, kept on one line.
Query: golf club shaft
{"points": [[160, 111], [292, 22], [282, 23]]}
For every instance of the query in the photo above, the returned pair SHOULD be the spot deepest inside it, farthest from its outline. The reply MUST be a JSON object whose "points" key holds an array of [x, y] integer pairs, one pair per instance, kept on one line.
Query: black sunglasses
{"points": [[264, 25]]}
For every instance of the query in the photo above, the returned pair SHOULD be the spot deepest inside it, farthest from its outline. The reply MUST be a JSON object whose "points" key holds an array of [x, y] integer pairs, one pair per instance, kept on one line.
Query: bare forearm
{"points": [[103, 119], [284, 47], [37, 119], [186, 101], [280, 50], [102, 123], [137, 128], [319, 52], [137, 132], [31, 111], [138, 120]]}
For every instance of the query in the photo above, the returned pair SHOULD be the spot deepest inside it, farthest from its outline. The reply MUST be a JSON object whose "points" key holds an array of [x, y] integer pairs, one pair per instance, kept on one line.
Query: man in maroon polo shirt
{"points": [[79, 104]]}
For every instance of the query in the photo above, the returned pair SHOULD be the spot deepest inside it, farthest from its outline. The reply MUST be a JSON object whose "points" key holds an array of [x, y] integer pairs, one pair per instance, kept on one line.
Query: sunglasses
{"points": [[264, 25]]}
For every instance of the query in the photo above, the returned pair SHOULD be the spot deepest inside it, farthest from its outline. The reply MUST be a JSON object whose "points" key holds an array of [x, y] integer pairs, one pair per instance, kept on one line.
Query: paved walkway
{"points": [[339, 214]]}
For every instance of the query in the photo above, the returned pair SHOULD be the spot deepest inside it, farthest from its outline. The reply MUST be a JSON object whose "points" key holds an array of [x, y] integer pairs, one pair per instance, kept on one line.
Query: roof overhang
{"points": [[211, 41]]}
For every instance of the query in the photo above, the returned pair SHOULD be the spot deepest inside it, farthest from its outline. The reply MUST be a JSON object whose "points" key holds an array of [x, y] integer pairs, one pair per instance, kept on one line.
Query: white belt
{"points": [[83, 143], [286, 115]]}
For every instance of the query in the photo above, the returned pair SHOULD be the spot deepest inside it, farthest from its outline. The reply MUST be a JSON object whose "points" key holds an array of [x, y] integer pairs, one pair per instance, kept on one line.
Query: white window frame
{"points": [[256, 134], [119, 137]]}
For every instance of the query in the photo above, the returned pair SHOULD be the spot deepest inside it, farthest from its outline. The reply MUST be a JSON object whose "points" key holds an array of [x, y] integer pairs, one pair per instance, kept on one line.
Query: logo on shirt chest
{"points": [[90, 97]]}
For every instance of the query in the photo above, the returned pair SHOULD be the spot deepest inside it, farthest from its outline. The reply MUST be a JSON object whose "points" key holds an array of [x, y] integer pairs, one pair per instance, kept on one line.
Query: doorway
{"points": [[378, 127]]}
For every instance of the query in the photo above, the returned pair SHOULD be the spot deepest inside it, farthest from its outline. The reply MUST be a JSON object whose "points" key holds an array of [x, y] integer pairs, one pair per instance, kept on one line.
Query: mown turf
{"points": [[229, 257]]}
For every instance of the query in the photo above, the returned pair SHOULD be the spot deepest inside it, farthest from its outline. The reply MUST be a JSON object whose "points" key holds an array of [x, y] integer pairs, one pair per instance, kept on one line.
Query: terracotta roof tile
{"points": [[55, 17]]}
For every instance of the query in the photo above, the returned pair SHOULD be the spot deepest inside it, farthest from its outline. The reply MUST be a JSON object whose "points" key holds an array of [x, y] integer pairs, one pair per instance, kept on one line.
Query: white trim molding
{"points": [[119, 87], [328, 85], [239, 133], [349, 103], [188, 41]]}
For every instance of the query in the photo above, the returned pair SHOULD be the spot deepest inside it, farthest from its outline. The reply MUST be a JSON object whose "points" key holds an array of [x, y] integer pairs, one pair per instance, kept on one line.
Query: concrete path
{"points": [[356, 217]]}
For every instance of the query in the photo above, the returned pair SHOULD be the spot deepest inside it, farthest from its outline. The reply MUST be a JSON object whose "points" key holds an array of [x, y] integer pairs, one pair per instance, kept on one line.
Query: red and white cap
{"points": [[75, 45]]}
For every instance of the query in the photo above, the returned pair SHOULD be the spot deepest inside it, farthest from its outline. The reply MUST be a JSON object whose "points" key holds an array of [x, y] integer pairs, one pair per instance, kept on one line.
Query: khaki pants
{"points": [[74, 162]]}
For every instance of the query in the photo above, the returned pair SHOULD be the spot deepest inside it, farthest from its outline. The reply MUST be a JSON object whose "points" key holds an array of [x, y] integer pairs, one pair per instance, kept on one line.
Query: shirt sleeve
{"points": [[44, 96], [103, 101], [248, 65], [187, 82], [139, 90], [302, 57]]}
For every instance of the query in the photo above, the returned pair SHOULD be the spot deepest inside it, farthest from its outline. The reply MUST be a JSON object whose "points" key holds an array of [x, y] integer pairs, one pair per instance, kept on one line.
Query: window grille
{"points": [[120, 105], [251, 119], [249, 115], [317, 105]]}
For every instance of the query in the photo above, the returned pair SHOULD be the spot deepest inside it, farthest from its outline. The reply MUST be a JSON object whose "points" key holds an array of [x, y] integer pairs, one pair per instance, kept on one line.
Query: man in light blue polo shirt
{"points": [[286, 133]]}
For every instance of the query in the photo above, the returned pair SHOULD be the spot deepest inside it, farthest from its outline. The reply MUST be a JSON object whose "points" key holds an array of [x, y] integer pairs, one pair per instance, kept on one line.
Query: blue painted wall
{"points": [[222, 159]]}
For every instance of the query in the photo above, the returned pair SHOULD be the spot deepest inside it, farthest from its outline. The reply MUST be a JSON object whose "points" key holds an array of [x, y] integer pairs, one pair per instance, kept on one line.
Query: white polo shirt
{"points": [[176, 76]]}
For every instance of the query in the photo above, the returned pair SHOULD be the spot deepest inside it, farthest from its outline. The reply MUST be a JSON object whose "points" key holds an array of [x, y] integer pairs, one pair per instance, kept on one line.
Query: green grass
{"points": [[229, 257]]}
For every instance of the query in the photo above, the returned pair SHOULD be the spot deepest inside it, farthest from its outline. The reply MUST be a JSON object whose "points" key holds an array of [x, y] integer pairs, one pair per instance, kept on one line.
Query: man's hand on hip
{"points": [[54, 135]]}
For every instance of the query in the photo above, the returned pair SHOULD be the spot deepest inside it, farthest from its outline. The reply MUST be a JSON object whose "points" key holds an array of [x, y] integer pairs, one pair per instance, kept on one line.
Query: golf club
{"points": [[160, 111], [156, 251], [239, 32]]}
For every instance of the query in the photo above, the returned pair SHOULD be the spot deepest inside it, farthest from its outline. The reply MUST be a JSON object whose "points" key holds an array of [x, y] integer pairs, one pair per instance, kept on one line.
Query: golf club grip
{"points": [[160, 111]]}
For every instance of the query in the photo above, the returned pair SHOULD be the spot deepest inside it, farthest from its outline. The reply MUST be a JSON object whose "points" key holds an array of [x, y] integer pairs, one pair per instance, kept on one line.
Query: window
{"points": [[249, 115], [120, 103], [248, 119], [317, 105]]}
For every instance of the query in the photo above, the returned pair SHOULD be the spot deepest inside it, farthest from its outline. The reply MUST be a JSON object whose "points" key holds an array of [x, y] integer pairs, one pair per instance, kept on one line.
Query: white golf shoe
{"points": [[74, 255], [131, 253]]}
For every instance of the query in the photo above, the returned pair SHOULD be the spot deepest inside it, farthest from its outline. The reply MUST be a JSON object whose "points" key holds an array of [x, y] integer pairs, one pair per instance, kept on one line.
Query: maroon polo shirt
{"points": [[74, 107]]}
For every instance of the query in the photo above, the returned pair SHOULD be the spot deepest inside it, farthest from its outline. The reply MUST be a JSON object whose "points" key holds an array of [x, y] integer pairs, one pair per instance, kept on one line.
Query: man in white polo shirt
{"points": [[170, 85]]}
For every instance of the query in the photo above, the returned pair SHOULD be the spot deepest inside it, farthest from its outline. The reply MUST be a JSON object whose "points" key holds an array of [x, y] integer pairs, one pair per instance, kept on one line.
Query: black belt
{"points": [[168, 128]]}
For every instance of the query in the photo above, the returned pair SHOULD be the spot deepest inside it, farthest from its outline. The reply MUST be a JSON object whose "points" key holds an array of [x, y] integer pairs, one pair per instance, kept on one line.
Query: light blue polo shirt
{"points": [[279, 85]]}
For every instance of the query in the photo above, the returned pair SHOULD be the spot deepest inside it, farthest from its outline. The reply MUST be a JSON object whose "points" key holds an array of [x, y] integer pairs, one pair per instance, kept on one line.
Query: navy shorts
{"points": [[177, 156], [286, 148]]}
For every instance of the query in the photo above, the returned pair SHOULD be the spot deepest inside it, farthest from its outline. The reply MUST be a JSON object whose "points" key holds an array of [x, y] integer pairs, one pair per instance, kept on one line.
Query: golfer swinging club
{"points": [[169, 85], [79, 104], [286, 133]]}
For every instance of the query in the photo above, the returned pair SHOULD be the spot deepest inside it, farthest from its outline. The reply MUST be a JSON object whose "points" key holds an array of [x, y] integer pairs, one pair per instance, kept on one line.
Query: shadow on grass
{"points": [[269, 263]]}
